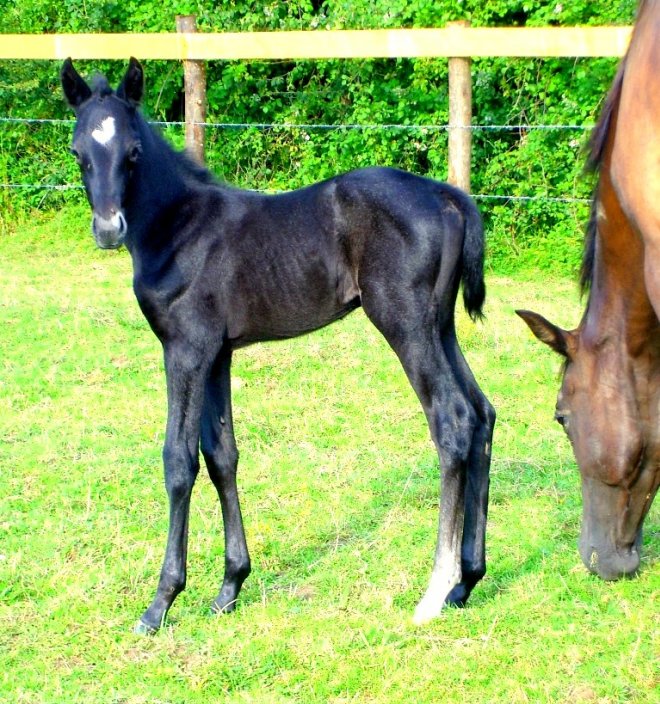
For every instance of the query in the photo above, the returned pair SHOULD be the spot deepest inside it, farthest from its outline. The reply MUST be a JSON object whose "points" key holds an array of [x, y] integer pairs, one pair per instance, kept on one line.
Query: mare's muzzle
{"points": [[109, 233], [609, 562], [609, 543]]}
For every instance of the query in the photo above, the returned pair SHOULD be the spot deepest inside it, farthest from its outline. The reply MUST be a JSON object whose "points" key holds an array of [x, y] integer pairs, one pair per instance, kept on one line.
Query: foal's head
{"points": [[106, 145]]}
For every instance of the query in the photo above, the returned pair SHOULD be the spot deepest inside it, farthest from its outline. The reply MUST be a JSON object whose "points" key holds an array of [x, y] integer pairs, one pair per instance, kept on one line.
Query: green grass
{"points": [[339, 490]]}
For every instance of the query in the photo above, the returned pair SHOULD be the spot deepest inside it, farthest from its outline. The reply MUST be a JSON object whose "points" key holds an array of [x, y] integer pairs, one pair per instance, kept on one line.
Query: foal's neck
{"points": [[157, 186]]}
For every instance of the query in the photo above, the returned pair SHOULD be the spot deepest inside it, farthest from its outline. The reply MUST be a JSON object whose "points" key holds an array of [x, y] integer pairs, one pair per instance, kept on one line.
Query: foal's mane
{"points": [[188, 169], [100, 87]]}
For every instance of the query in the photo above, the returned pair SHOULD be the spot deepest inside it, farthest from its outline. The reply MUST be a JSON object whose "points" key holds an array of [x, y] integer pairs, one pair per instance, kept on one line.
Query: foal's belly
{"points": [[262, 327], [275, 310]]}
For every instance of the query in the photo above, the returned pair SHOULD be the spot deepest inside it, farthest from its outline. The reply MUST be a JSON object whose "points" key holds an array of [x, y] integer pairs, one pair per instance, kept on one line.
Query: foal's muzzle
{"points": [[109, 233]]}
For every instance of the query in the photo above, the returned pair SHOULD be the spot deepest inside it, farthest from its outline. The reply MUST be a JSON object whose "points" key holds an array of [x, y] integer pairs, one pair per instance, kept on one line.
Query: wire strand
{"points": [[319, 126], [476, 196], [322, 127]]}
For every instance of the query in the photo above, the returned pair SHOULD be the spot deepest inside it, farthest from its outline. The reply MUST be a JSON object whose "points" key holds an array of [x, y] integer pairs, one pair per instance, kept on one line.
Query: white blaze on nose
{"points": [[105, 132]]}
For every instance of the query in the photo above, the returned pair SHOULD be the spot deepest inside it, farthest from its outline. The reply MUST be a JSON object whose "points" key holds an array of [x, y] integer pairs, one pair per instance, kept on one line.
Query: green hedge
{"points": [[545, 162]]}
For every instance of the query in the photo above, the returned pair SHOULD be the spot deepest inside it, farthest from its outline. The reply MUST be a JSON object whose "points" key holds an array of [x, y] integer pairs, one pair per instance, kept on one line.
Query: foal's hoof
{"points": [[458, 596], [141, 629], [221, 607], [427, 610]]}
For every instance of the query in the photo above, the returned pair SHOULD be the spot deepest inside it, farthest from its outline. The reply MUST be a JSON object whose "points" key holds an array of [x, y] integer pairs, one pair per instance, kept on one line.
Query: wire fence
{"points": [[320, 127]]}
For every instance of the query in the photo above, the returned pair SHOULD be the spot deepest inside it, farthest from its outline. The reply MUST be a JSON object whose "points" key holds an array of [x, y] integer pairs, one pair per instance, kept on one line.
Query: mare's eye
{"points": [[76, 155], [561, 418]]}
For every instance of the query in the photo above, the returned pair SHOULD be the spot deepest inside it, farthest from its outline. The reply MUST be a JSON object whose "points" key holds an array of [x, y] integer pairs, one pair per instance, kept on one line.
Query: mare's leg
{"points": [[186, 373], [415, 336], [219, 449], [473, 550]]}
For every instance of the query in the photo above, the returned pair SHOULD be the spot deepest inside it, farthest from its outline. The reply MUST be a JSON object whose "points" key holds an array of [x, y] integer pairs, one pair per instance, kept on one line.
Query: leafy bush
{"points": [[402, 93]]}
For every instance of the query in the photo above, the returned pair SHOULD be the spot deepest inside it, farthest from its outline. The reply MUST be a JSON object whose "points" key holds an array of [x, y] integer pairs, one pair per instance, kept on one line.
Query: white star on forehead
{"points": [[105, 132]]}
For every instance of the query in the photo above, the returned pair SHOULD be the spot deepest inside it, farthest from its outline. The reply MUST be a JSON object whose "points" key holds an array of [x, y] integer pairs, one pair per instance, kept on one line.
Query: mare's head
{"points": [[609, 400], [598, 410], [106, 145]]}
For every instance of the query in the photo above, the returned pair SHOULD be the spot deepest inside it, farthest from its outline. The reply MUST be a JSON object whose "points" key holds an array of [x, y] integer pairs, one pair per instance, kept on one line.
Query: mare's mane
{"points": [[595, 155]]}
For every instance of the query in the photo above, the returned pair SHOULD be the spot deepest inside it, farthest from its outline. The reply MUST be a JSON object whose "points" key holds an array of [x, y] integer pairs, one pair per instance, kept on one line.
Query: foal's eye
{"points": [[134, 153], [76, 155], [561, 418]]}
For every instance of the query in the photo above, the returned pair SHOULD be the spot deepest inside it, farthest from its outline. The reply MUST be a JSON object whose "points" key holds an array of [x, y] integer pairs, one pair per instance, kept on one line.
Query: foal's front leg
{"points": [[452, 421], [186, 375]]}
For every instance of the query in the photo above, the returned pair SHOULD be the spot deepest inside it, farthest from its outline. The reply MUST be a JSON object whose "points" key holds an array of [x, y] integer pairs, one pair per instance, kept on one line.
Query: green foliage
{"points": [[522, 162]]}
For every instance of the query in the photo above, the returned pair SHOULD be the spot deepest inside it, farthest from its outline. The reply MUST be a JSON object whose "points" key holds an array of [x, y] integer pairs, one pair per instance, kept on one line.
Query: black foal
{"points": [[217, 268]]}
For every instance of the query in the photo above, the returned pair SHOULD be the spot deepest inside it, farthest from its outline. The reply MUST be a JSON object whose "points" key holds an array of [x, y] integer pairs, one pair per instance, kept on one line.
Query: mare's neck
{"points": [[619, 307]]}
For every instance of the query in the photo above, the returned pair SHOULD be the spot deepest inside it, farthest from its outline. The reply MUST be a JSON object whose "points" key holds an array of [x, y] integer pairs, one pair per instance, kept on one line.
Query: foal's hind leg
{"points": [[219, 449], [452, 422], [473, 551]]}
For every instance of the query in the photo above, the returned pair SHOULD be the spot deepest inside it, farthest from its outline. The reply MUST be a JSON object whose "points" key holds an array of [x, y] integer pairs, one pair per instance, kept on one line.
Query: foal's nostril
{"points": [[110, 231], [122, 226]]}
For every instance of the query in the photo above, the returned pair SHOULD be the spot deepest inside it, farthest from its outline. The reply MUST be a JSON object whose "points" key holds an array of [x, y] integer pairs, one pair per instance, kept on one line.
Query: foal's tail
{"points": [[472, 274]]}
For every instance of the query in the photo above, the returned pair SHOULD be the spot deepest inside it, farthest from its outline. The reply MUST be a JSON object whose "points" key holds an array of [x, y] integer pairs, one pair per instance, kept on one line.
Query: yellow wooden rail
{"points": [[454, 41]]}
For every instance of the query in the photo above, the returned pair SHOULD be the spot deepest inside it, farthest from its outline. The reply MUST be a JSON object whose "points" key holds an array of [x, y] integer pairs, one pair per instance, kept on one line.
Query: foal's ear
{"points": [[132, 86], [76, 91], [560, 340]]}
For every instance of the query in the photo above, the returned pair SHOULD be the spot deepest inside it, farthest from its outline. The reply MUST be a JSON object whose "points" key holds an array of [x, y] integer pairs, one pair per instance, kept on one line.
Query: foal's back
{"points": [[282, 265]]}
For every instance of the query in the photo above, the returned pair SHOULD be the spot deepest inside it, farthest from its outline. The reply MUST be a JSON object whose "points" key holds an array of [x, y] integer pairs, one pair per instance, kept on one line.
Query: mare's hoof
{"points": [[141, 629]]}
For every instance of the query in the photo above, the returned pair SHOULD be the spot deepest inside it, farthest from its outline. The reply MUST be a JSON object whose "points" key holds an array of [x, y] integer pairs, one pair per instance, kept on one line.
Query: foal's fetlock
{"points": [[225, 602], [459, 595]]}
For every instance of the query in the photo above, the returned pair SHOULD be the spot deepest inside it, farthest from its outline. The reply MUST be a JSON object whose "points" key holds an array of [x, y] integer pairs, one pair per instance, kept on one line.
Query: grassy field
{"points": [[339, 488]]}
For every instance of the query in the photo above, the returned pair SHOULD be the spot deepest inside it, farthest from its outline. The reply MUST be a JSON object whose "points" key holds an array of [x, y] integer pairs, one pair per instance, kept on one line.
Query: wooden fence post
{"points": [[460, 118], [194, 82]]}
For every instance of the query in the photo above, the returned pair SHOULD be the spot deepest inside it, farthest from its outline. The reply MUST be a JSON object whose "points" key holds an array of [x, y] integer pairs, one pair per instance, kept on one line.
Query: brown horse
{"points": [[609, 401]]}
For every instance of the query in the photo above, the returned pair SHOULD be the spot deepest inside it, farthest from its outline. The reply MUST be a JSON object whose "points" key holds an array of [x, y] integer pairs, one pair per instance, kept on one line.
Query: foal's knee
{"points": [[181, 468], [220, 461]]}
